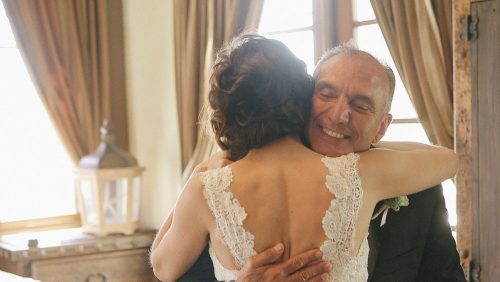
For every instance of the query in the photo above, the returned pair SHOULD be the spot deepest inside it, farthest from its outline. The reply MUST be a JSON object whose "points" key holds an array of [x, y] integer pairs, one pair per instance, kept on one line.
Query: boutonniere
{"points": [[393, 203]]}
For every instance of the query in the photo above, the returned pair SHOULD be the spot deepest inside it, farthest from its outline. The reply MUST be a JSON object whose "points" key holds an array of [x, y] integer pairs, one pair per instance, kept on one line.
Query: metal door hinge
{"points": [[473, 272], [468, 28]]}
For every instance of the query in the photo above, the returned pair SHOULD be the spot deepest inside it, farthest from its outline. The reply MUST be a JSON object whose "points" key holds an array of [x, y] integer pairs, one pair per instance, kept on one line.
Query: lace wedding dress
{"points": [[338, 223]]}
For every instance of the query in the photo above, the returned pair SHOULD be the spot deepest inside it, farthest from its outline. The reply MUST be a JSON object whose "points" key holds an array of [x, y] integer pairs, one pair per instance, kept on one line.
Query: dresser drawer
{"points": [[119, 266]]}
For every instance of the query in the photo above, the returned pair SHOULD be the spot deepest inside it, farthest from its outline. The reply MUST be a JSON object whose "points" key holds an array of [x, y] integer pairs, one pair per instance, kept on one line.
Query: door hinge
{"points": [[468, 28], [472, 271], [475, 272]]}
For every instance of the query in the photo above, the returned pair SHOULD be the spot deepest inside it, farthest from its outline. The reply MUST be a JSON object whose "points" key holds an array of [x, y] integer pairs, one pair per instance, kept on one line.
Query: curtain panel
{"points": [[65, 46], [201, 27], [324, 26], [418, 34]]}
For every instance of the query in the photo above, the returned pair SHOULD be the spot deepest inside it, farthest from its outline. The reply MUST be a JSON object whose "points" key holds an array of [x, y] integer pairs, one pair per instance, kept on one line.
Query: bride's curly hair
{"points": [[259, 92]]}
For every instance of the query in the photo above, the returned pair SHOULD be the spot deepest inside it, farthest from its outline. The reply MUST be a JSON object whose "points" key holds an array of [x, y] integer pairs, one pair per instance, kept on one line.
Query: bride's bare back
{"points": [[282, 188]]}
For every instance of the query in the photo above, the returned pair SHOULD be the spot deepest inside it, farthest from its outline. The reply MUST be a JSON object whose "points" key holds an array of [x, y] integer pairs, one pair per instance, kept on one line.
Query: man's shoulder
{"points": [[410, 225], [429, 194], [413, 241], [423, 203]]}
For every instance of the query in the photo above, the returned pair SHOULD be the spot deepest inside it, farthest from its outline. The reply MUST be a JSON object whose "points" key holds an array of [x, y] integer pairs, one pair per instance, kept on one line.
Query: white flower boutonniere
{"points": [[393, 203], [397, 202]]}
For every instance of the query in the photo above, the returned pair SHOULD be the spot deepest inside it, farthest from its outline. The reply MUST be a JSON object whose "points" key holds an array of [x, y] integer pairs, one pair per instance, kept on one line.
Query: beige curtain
{"points": [[324, 25], [64, 44], [418, 34], [201, 27]]}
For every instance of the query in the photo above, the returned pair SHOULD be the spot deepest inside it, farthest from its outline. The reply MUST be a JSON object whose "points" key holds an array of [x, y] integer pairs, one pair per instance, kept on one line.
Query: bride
{"points": [[278, 190]]}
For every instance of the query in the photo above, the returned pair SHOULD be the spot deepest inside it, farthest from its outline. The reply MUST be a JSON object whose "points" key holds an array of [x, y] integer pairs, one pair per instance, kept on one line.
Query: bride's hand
{"points": [[306, 266]]}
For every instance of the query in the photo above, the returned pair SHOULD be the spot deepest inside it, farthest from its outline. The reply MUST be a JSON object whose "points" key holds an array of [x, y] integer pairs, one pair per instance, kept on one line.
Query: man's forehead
{"points": [[359, 61], [362, 69]]}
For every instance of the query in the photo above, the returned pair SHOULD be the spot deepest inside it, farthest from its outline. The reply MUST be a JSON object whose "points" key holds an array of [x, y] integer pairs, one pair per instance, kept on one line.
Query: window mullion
{"points": [[361, 23], [405, 120], [305, 28]]}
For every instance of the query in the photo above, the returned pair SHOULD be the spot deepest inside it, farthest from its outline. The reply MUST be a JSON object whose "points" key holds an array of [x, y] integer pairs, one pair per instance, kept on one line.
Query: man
{"points": [[350, 113], [415, 244]]}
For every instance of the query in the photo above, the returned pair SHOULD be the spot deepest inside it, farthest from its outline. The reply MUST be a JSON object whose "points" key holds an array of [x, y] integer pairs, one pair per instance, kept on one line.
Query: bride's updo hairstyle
{"points": [[259, 92]]}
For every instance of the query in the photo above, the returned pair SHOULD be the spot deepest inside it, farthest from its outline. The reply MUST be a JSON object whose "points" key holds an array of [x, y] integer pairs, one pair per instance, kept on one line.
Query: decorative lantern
{"points": [[108, 187]]}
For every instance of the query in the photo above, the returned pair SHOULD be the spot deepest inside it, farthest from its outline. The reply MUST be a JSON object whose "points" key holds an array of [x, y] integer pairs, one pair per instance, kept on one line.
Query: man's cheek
{"points": [[318, 108]]}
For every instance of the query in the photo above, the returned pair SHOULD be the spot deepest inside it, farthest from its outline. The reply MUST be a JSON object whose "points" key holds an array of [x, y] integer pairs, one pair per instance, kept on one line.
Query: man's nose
{"points": [[340, 112]]}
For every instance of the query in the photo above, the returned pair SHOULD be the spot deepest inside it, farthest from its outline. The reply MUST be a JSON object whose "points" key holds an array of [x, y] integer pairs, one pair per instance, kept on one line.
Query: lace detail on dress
{"points": [[340, 219], [228, 213]]}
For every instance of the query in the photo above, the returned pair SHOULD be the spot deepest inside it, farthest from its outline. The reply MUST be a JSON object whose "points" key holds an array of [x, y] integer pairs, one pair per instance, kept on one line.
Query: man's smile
{"points": [[332, 133]]}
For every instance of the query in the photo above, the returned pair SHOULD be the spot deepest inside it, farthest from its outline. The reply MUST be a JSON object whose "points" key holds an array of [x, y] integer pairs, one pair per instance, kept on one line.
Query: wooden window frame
{"points": [[40, 224]]}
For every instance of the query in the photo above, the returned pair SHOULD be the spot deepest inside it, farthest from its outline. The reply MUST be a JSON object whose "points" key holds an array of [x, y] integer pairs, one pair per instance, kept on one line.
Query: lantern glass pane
{"points": [[89, 201], [136, 200], [115, 201]]}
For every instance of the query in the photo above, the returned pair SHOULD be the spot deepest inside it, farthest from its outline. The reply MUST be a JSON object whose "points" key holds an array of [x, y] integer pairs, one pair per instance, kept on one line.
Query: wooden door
{"points": [[486, 162], [477, 113]]}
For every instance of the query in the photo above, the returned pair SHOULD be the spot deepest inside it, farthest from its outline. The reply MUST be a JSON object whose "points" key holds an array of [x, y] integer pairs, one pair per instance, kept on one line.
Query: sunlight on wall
{"points": [[153, 128]]}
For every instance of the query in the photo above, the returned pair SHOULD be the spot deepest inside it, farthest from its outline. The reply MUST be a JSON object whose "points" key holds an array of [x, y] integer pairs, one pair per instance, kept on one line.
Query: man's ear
{"points": [[386, 120]]}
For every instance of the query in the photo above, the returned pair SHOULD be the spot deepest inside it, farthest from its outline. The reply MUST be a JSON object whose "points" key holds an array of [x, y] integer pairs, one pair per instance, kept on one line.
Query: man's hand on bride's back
{"points": [[218, 160], [306, 266]]}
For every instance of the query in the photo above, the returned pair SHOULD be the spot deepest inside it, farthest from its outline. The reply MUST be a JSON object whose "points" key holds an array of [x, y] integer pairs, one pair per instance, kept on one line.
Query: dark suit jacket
{"points": [[415, 244]]}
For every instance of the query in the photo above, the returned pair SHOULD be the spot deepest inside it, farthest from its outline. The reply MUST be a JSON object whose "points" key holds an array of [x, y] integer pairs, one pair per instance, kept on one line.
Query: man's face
{"points": [[348, 108]]}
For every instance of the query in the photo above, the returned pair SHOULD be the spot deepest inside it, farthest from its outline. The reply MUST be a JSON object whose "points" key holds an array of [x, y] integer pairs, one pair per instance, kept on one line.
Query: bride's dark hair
{"points": [[259, 92]]}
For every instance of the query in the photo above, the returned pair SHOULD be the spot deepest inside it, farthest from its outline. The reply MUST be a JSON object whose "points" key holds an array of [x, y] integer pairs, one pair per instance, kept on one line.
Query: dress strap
{"points": [[340, 218], [228, 213], [343, 174]]}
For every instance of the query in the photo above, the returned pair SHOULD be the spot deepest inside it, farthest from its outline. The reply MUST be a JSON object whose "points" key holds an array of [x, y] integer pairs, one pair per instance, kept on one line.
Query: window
{"points": [[405, 125], [293, 26], [36, 172]]}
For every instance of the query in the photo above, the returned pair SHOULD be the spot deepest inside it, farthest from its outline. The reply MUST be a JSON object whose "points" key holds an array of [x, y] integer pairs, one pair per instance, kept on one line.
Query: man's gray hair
{"points": [[350, 48]]}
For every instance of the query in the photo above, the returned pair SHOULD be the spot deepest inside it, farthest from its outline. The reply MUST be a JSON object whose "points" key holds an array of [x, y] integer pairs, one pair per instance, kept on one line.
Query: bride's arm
{"points": [[163, 230], [219, 159], [402, 168], [187, 236]]}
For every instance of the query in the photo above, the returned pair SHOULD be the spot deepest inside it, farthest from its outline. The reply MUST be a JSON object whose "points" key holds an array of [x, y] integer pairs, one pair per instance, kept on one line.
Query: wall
{"points": [[152, 114]]}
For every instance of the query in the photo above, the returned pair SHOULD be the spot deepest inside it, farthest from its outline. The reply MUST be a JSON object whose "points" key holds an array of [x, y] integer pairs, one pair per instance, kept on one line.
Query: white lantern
{"points": [[108, 187]]}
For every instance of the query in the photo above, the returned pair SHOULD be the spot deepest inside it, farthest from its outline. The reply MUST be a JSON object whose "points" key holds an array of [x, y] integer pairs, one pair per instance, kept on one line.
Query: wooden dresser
{"points": [[70, 255]]}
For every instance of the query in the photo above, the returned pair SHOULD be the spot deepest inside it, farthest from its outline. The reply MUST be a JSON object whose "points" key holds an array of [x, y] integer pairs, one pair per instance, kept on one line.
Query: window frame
{"points": [[42, 223], [293, 30]]}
